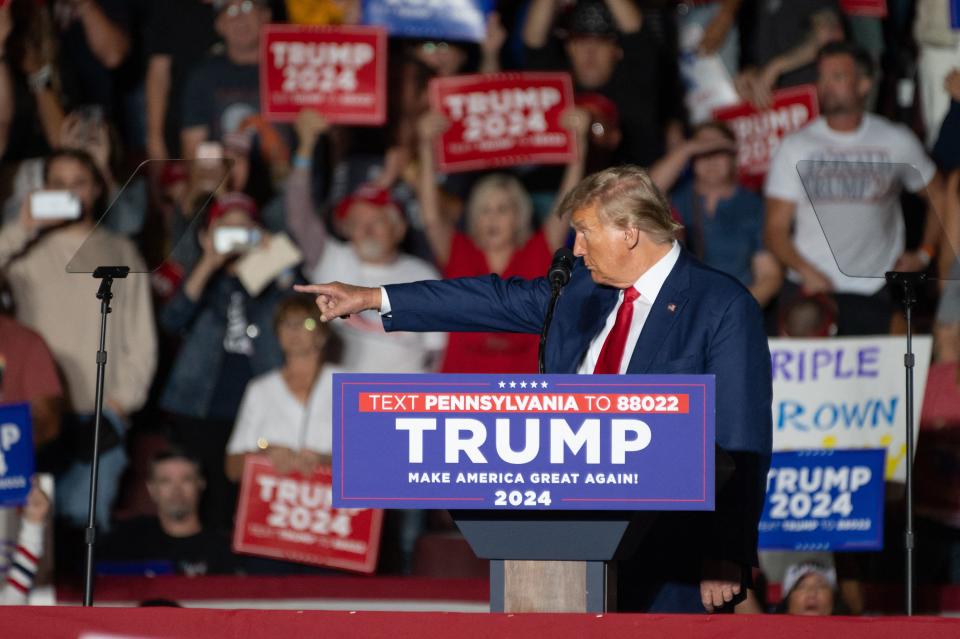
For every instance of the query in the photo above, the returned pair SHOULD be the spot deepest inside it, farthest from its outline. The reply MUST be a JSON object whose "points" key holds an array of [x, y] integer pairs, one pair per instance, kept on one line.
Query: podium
{"points": [[552, 562], [552, 478]]}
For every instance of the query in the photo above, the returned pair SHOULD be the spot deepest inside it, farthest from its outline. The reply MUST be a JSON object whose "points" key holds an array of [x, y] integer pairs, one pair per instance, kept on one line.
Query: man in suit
{"points": [[636, 303]]}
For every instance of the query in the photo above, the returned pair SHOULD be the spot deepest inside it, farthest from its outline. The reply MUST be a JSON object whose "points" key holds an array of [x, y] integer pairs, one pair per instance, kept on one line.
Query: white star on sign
{"points": [[523, 384], [543, 384], [513, 384], [502, 383]]}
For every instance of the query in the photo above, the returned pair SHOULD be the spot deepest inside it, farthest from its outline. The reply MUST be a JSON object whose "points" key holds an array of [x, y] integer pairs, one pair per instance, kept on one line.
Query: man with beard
{"points": [[836, 184], [374, 226], [175, 535]]}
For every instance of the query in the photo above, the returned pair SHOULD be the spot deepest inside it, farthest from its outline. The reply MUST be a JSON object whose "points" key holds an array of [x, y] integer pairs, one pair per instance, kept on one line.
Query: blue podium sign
{"points": [[439, 19], [538, 442], [16, 454], [824, 500]]}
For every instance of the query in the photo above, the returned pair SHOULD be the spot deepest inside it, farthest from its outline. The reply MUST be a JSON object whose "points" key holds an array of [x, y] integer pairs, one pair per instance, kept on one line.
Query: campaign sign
{"points": [[867, 8], [824, 500], [538, 442], [503, 119], [955, 14], [16, 454], [439, 19], [339, 71], [759, 132], [846, 392], [290, 517]]}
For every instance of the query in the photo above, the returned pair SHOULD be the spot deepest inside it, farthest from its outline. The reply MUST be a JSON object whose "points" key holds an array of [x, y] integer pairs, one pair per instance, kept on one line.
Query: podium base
{"points": [[552, 586]]}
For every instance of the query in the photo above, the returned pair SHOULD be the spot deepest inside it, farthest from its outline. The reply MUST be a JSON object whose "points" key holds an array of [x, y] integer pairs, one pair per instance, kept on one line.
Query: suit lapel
{"points": [[663, 315]]}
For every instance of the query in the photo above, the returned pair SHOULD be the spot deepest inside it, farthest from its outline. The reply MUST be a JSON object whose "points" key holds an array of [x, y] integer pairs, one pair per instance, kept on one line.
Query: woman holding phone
{"points": [[227, 340], [35, 250]]}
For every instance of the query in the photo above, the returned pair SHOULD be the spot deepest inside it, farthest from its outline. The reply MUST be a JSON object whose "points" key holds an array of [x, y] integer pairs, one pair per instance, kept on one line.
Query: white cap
{"points": [[796, 572]]}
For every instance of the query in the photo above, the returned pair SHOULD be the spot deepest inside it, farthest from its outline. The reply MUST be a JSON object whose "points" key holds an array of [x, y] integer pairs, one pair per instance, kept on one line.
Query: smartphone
{"points": [[54, 205], [209, 151], [91, 120], [230, 239]]}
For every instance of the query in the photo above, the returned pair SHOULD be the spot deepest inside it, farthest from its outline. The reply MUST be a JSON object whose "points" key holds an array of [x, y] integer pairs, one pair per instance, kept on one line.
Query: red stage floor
{"points": [[156, 623]]}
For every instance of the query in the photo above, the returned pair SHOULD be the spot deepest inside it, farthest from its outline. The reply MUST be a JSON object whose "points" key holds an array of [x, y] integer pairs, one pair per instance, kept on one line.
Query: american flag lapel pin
{"points": [[671, 307]]}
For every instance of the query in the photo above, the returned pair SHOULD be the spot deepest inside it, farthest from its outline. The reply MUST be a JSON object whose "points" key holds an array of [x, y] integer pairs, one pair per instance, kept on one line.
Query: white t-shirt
{"points": [[271, 411], [367, 347], [846, 187]]}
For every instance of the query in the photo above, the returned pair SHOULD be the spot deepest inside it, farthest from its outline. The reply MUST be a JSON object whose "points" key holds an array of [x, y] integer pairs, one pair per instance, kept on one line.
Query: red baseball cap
{"points": [[369, 193], [174, 172], [230, 202]]}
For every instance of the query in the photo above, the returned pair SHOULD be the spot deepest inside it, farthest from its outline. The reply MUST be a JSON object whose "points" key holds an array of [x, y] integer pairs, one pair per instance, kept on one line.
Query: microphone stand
{"points": [[106, 275], [542, 351], [907, 284]]}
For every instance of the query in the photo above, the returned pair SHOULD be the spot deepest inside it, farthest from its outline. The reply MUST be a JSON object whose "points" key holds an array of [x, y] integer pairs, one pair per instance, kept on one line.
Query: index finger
{"points": [[313, 289]]}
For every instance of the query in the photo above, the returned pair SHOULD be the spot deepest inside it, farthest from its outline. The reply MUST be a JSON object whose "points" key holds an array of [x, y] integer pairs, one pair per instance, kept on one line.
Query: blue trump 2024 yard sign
{"points": [[549, 442], [824, 500], [16, 454]]}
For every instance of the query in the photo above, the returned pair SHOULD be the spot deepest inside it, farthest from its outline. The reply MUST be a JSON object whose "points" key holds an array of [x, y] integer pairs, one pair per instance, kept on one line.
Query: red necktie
{"points": [[612, 352]]}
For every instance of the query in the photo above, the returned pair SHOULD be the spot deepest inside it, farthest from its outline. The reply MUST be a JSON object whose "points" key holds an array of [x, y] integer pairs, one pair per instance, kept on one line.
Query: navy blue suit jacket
{"points": [[703, 321]]}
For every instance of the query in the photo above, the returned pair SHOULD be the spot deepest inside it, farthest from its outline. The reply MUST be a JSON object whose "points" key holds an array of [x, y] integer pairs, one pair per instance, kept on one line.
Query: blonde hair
{"points": [[625, 197], [511, 185]]}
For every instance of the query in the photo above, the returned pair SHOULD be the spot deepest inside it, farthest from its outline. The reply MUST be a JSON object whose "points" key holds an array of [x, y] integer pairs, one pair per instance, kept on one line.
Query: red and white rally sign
{"points": [[503, 119], [759, 132], [867, 8], [290, 517], [339, 71]]}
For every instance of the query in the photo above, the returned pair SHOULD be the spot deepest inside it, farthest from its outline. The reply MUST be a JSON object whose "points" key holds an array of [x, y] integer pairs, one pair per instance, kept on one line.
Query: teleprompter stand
{"points": [[849, 198], [106, 275], [904, 286], [101, 248]]}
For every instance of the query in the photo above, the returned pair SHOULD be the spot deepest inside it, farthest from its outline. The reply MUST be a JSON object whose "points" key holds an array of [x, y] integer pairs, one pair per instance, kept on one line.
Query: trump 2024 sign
{"points": [[502, 119], [548, 442], [339, 71]]}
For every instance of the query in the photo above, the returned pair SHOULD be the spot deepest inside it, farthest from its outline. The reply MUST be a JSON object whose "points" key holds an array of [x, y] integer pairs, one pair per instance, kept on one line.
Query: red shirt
{"points": [[26, 365], [494, 352]]}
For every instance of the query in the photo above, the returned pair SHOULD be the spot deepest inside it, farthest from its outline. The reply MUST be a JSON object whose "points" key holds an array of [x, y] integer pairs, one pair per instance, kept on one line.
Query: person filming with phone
{"points": [[35, 249], [227, 340]]}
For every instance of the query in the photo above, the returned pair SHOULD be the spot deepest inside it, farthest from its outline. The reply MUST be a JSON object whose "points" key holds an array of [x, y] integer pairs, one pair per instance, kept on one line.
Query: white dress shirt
{"points": [[648, 286]]}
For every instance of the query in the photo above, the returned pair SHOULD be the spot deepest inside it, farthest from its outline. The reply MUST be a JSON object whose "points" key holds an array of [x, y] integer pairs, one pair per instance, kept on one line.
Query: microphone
{"points": [[560, 267], [558, 276]]}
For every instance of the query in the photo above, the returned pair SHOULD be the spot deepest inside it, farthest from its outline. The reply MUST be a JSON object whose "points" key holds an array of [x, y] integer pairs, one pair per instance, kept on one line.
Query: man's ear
{"points": [[631, 236]]}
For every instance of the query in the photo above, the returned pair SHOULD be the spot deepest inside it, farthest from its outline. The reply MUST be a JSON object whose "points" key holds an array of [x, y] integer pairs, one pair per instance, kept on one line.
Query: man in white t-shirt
{"points": [[833, 192], [376, 227]]}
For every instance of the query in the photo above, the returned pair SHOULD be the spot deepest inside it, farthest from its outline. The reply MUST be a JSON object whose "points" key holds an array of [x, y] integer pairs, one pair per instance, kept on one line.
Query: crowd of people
{"points": [[222, 363]]}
